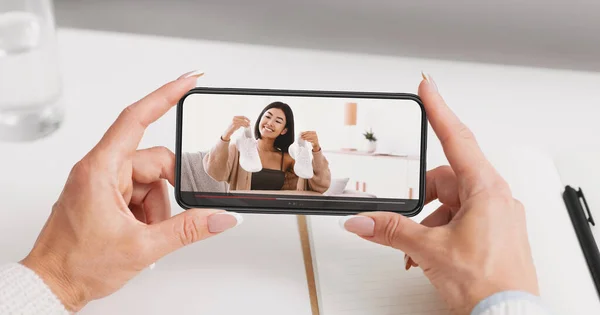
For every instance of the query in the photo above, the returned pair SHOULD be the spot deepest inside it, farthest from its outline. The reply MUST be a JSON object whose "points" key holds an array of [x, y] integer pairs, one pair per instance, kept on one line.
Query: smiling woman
{"points": [[271, 158]]}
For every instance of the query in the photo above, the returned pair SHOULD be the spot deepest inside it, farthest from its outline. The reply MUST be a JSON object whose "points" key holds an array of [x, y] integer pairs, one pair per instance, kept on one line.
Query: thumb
{"points": [[188, 227], [389, 229]]}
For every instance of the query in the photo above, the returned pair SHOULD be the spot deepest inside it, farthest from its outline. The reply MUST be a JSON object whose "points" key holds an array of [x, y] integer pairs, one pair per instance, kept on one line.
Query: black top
{"points": [[268, 179]]}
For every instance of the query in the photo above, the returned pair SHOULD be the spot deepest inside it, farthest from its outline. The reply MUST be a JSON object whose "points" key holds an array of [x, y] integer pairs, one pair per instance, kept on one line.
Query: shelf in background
{"points": [[374, 154]]}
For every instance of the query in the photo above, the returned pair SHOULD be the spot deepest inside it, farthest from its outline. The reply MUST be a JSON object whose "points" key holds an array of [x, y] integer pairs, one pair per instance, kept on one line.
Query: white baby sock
{"points": [[300, 151], [248, 148]]}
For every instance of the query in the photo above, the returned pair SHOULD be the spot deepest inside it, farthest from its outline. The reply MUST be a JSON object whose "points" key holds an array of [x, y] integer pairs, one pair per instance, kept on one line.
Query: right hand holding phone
{"points": [[475, 244], [236, 123]]}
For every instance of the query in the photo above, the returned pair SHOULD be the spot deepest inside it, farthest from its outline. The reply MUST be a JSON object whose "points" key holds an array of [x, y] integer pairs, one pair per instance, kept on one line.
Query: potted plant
{"points": [[371, 141]]}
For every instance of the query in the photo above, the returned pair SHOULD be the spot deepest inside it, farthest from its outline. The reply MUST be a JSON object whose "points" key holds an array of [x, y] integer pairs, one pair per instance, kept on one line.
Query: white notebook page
{"points": [[564, 278], [354, 276], [358, 277]]}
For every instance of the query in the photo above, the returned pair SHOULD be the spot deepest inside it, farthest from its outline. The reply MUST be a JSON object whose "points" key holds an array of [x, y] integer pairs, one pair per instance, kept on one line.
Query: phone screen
{"points": [[300, 152]]}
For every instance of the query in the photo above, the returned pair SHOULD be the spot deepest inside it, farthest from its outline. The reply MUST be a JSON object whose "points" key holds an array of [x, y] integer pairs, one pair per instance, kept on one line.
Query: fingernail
{"points": [[429, 80], [358, 224], [195, 73], [222, 221], [152, 266]]}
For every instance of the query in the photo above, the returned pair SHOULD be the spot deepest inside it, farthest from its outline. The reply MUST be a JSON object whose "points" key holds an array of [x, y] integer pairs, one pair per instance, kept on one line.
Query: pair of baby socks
{"points": [[300, 151]]}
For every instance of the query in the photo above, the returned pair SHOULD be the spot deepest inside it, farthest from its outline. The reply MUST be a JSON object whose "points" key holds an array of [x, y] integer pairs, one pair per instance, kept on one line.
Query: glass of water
{"points": [[30, 81]]}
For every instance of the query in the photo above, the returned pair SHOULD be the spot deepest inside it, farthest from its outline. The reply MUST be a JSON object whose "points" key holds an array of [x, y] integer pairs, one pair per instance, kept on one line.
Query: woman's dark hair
{"points": [[282, 142]]}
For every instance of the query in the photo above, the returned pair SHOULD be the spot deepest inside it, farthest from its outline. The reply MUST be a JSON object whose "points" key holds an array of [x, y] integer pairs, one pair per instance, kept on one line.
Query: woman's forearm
{"points": [[322, 178]]}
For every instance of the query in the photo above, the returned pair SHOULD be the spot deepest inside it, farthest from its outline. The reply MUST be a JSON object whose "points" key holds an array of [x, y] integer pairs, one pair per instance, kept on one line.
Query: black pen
{"points": [[581, 224]]}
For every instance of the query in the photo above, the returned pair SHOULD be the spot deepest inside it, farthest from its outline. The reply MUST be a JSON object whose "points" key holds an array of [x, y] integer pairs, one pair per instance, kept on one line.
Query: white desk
{"points": [[234, 272]]}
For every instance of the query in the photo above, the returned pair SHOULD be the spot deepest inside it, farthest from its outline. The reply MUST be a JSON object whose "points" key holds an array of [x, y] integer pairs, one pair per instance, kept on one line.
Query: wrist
{"points": [[316, 148], [53, 271]]}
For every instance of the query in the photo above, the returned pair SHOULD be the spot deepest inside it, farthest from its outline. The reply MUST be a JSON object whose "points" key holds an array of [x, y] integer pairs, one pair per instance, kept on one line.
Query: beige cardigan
{"points": [[222, 164]]}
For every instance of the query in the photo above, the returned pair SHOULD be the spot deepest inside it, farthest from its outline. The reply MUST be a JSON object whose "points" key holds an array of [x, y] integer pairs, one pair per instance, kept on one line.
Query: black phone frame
{"points": [[250, 203]]}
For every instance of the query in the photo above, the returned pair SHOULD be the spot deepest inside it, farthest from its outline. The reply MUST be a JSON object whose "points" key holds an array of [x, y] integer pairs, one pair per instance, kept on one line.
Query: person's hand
{"points": [[113, 217], [475, 244], [311, 136], [236, 123]]}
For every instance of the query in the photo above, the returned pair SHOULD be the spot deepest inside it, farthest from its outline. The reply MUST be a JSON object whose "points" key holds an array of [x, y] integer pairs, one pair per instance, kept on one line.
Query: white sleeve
{"points": [[22, 291], [511, 303]]}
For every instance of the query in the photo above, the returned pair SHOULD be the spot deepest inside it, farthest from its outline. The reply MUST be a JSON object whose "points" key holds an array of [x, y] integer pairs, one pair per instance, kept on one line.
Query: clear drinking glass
{"points": [[30, 81]]}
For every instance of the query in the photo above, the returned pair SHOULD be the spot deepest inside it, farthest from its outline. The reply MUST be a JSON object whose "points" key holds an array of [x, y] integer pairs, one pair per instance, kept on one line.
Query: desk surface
{"points": [[248, 269]]}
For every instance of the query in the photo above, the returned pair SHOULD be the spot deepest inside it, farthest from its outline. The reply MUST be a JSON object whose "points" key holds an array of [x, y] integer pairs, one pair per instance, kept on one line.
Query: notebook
{"points": [[353, 276]]}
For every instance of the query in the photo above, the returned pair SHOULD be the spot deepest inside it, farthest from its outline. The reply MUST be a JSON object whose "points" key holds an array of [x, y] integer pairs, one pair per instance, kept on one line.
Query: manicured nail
{"points": [[406, 262], [358, 224], [152, 266], [195, 73], [429, 80], [222, 221]]}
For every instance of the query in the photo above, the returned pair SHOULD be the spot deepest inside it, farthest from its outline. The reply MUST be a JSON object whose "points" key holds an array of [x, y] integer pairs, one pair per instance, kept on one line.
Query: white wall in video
{"points": [[367, 148]]}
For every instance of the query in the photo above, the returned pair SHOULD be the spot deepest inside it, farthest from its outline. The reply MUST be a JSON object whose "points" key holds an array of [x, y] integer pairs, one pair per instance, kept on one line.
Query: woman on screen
{"points": [[269, 158]]}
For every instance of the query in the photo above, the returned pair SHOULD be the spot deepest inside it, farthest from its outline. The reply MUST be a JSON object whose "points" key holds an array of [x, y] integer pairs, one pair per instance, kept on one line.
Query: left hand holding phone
{"points": [[113, 217]]}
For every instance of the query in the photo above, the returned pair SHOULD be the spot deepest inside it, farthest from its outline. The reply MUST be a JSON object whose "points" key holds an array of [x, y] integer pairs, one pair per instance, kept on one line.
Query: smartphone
{"points": [[300, 152]]}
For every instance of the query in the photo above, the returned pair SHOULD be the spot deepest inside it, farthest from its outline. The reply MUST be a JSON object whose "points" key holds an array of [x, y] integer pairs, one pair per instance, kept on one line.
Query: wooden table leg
{"points": [[308, 264]]}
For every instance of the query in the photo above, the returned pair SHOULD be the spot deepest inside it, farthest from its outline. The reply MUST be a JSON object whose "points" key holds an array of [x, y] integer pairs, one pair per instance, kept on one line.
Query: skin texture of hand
{"points": [[236, 123], [311, 136], [475, 244], [113, 217]]}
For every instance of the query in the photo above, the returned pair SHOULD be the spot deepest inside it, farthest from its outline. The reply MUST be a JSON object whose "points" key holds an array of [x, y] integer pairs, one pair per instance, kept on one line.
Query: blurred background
{"points": [[539, 33]]}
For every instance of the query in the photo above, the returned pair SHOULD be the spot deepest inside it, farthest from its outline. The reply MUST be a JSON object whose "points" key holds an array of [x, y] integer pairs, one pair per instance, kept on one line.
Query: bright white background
{"points": [[257, 267]]}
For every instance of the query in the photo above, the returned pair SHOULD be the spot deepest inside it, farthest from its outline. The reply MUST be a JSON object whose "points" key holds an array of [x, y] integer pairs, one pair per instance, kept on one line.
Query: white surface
{"points": [[356, 277], [564, 279], [105, 72], [247, 269]]}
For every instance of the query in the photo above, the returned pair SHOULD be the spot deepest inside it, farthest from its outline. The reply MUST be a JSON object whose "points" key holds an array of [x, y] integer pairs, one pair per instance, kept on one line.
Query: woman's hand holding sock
{"points": [[301, 152]]}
